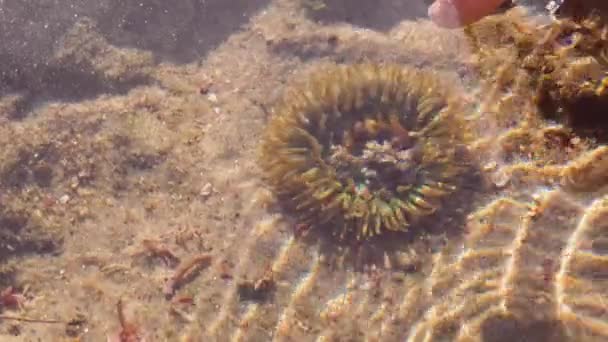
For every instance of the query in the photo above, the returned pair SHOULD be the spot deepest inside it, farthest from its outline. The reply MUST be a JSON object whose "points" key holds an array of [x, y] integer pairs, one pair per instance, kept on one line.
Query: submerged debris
{"points": [[76, 326], [259, 290], [185, 272], [129, 332], [11, 299], [159, 250]]}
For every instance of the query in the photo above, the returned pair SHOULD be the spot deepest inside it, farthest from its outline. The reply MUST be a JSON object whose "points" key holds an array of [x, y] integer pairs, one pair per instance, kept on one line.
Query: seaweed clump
{"points": [[365, 149], [573, 79], [564, 63]]}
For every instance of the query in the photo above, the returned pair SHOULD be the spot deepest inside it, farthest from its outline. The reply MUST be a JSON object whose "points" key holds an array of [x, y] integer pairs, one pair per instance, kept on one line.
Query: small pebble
{"points": [[64, 199], [206, 190], [500, 179], [212, 97], [490, 166]]}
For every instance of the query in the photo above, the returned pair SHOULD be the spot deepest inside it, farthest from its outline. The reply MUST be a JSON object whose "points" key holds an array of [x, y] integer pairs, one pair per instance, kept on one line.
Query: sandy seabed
{"points": [[130, 195]]}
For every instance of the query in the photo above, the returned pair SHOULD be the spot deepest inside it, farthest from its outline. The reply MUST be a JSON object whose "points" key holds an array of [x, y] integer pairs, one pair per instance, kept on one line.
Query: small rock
{"points": [[212, 98], [206, 191], [204, 88], [64, 199], [491, 166], [500, 179]]}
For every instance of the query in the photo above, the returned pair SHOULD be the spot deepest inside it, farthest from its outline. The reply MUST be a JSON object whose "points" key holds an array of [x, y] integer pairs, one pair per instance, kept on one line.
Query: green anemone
{"points": [[365, 149]]}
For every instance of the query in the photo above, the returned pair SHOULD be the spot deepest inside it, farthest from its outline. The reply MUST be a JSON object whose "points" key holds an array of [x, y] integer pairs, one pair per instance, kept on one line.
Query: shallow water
{"points": [[133, 200]]}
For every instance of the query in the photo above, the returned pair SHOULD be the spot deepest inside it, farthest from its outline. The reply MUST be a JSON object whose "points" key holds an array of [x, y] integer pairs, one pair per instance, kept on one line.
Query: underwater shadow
{"points": [[20, 236], [379, 15], [507, 328], [38, 83], [398, 251], [177, 31]]}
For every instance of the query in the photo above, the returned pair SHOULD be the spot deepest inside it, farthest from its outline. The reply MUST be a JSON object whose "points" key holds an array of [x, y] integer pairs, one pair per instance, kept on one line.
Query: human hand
{"points": [[457, 13]]}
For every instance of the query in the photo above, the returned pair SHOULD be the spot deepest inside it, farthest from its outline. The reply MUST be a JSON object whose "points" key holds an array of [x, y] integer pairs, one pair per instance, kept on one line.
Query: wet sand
{"points": [[128, 175]]}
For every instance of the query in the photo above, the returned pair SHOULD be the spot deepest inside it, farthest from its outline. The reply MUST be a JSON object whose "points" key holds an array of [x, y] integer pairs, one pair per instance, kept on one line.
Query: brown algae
{"points": [[564, 64], [365, 149]]}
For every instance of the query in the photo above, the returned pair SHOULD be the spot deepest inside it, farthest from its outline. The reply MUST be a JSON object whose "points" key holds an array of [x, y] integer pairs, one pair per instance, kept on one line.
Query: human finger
{"points": [[457, 13]]}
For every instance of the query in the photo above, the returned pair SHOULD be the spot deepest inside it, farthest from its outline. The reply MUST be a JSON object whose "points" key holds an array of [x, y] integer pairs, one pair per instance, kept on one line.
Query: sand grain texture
{"points": [[116, 150]]}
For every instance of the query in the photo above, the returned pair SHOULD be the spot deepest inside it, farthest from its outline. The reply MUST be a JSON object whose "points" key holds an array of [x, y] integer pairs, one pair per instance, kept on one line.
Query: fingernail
{"points": [[444, 13]]}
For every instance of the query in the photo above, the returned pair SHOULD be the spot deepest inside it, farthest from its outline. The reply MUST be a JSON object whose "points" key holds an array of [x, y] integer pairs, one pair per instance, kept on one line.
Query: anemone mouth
{"points": [[365, 149]]}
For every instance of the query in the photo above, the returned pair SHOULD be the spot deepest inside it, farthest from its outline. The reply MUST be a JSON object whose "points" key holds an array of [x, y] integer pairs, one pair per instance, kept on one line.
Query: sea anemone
{"points": [[365, 149]]}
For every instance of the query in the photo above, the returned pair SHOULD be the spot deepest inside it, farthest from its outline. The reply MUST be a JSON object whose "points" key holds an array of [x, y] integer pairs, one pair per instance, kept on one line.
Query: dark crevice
{"points": [[588, 117], [509, 329]]}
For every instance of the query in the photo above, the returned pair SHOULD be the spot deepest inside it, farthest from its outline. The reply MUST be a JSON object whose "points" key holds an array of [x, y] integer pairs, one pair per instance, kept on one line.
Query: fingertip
{"points": [[445, 14], [457, 13]]}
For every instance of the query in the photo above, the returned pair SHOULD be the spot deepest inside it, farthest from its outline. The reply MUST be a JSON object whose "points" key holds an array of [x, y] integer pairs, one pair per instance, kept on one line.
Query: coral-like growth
{"points": [[365, 149], [564, 63], [572, 64]]}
